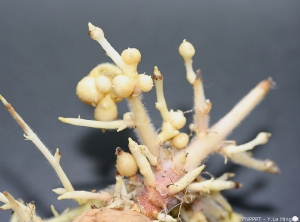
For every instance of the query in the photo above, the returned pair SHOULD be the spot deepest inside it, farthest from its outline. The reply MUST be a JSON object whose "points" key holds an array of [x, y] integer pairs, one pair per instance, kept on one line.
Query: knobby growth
{"points": [[160, 179]]}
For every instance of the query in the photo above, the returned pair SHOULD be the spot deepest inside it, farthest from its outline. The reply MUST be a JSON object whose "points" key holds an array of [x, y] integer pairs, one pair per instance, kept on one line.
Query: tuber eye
{"points": [[115, 98]]}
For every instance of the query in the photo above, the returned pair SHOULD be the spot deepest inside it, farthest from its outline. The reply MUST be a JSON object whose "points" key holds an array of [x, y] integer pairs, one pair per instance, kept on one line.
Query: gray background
{"points": [[45, 51]]}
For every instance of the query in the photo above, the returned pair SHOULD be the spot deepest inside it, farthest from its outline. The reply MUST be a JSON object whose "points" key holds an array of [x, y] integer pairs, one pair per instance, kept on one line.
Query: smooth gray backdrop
{"points": [[45, 50]]}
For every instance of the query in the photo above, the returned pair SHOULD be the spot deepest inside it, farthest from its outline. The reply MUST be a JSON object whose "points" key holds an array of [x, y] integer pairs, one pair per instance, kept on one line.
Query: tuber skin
{"points": [[160, 178], [106, 215]]}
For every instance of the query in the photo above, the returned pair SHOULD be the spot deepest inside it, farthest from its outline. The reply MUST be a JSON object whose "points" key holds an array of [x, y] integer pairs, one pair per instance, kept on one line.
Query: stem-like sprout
{"points": [[200, 148], [128, 64], [30, 135]]}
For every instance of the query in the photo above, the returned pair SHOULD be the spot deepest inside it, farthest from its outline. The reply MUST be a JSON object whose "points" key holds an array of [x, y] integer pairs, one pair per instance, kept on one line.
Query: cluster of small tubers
{"points": [[161, 178], [106, 85]]}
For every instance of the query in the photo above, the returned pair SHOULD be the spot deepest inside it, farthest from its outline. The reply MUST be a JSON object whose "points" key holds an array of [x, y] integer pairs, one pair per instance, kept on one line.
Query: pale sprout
{"points": [[187, 51], [142, 162], [185, 180], [172, 120], [163, 171], [212, 185], [153, 160]]}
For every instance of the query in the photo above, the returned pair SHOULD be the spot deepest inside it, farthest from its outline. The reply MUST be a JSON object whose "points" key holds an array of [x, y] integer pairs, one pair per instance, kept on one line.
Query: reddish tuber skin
{"points": [[152, 200]]}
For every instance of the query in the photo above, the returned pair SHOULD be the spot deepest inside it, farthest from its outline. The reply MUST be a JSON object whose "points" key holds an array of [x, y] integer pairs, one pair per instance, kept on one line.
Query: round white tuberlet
{"points": [[106, 110], [180, 141], [87, 92], [131, 56], [106, 69], [186, 50], [177, 119], [122, 86], [103, 84], [126, 164], [145, 82]]}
